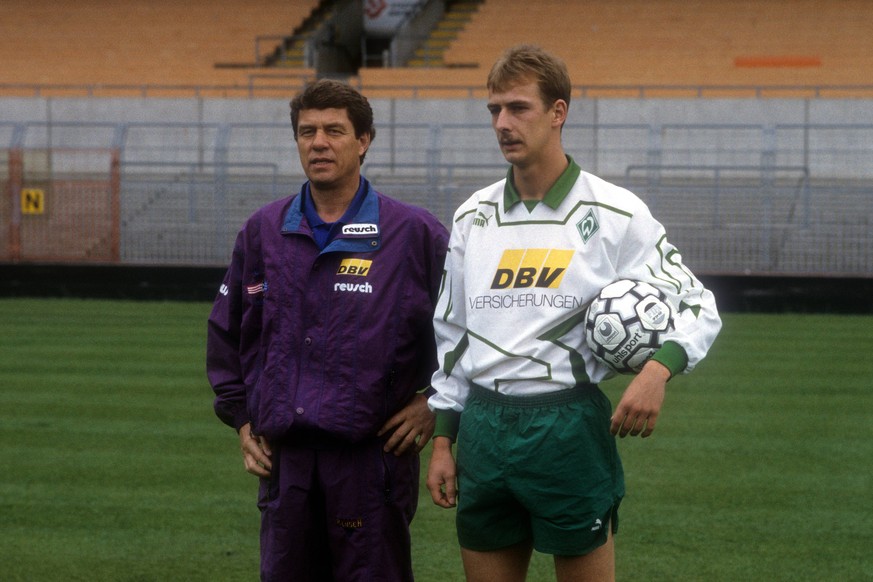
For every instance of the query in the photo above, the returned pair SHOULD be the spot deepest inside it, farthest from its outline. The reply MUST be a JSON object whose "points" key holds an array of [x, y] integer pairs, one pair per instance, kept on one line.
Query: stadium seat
{"points": [[128, 42]]}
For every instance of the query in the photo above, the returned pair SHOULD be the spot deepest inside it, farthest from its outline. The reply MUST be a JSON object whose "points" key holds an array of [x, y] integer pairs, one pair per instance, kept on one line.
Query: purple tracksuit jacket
{"points": [[331, 342]]}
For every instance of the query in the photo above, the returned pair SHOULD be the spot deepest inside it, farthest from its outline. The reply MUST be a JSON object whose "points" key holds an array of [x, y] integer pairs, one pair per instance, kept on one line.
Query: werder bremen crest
{"points": [[588, 226]]}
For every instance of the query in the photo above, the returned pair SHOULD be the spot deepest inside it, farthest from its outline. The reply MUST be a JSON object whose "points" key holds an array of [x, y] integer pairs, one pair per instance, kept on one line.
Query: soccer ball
{"points": [[626, 324]]}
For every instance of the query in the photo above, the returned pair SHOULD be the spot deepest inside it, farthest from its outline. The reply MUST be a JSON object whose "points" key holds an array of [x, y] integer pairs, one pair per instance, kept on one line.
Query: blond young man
{"points": [[537, 465]]}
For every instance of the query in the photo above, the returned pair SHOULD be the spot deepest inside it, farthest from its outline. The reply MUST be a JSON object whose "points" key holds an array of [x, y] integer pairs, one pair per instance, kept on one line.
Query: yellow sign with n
{"points": [[32, 201]]}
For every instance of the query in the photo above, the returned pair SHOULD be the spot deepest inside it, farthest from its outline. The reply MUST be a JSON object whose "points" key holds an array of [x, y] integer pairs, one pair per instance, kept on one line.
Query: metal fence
{"points": [[792, 199], [274, 82]]}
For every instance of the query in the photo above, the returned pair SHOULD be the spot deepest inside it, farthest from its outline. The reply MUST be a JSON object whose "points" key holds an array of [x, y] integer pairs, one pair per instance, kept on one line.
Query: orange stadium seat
{"points": [[129, 42], [667, 42], [674, 42], [605, 43]]}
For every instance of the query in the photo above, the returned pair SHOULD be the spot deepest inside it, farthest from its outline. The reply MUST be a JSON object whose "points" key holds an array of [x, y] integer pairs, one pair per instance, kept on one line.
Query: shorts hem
{"points": [[493, 548], [611, 528]]}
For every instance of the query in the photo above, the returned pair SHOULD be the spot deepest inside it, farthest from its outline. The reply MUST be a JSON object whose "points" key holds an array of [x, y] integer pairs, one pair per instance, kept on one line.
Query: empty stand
{"points": [[605, 42], [668, 42], [130, 42]]}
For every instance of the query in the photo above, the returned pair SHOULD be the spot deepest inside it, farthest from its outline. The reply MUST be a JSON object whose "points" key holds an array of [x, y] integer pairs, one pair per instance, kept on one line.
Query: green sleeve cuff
{"points": [[447, 422], [673, 356]]}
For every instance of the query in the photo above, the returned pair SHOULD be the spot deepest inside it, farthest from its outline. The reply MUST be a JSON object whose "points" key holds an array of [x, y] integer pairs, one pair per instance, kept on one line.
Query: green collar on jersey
{"points": [[554, 196]]}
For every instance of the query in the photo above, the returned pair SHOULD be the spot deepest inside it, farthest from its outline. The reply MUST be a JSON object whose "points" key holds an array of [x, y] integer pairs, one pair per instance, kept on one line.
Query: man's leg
{"points": [[371, 498], [293, 538], [597, 566], [504, 565]]}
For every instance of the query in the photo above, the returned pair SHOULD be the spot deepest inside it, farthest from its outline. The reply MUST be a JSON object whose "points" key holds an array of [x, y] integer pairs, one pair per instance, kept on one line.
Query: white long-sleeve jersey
{"points": [[510, 316]]}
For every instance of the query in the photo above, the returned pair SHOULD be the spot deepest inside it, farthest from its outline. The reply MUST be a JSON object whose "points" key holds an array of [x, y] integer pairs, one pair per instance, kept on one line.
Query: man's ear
{"points": [[559, 112], [363, 143]]}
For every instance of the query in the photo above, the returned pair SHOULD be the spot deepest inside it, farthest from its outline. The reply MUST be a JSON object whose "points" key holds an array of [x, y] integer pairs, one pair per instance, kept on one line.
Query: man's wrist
{"points": [[659, 369], [442, 443]]}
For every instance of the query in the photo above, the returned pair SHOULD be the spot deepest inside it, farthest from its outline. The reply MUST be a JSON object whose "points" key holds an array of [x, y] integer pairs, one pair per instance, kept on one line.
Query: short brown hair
{"points": [[518, 62], [332, 94]]}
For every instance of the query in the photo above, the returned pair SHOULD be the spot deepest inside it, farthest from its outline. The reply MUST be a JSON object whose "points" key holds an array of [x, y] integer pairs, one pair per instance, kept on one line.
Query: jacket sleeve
{"points": [[223, 358], [647, 255]]}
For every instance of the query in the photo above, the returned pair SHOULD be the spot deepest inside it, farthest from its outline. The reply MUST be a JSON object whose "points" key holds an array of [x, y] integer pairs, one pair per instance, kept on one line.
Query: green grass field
{"points": [[113, 466]]}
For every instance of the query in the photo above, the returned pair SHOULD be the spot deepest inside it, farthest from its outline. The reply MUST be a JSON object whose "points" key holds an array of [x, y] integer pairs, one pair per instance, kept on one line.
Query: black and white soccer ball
{"points": [[626, 323]]}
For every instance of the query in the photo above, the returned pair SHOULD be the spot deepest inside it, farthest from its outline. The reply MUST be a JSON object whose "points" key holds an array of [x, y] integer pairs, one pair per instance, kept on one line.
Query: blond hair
{"points": [[528, 61]]}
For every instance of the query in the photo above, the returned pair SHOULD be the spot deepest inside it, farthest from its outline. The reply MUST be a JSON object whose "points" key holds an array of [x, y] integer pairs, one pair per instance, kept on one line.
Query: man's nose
{"points": [[501, 120], [319, 140]]}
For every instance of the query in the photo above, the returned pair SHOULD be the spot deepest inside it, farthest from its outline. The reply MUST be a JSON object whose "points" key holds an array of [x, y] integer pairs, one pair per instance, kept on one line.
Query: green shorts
{"points": [[543, 469]]}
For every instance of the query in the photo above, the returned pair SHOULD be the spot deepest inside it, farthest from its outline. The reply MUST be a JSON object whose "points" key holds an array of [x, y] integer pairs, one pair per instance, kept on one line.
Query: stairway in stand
{"points": [[457, 16]]}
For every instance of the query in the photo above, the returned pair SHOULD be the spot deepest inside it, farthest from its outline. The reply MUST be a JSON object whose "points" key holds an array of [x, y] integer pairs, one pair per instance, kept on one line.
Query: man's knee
{"points": [[595, 566], [504, 565]]}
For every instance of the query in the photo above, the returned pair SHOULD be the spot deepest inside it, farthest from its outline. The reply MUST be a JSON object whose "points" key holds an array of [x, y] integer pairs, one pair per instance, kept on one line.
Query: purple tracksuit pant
{"points": [[337, 512]]}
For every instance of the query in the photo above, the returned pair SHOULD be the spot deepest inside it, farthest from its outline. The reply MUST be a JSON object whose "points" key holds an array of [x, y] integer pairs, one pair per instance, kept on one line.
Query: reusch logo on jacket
{"points": [[360, 229], [356, 268]]}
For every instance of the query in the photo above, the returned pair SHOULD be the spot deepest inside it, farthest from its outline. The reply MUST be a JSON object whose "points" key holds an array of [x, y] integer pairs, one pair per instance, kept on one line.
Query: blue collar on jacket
{"points": [[362, 235]]}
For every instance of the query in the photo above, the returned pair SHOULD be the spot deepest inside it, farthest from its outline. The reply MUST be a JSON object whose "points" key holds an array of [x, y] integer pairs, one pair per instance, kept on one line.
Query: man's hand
{"points": [[441, 473], [256, 452], [640, 405], [412, 427]]}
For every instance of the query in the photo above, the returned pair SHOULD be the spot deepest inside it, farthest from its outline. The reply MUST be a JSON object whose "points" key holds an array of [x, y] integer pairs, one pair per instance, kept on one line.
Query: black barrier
{"points": [[734, 293]]}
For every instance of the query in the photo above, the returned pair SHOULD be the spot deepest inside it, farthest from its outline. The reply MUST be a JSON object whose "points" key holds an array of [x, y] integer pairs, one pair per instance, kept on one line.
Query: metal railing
{"points": [[290, 82], [735, 198]]}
